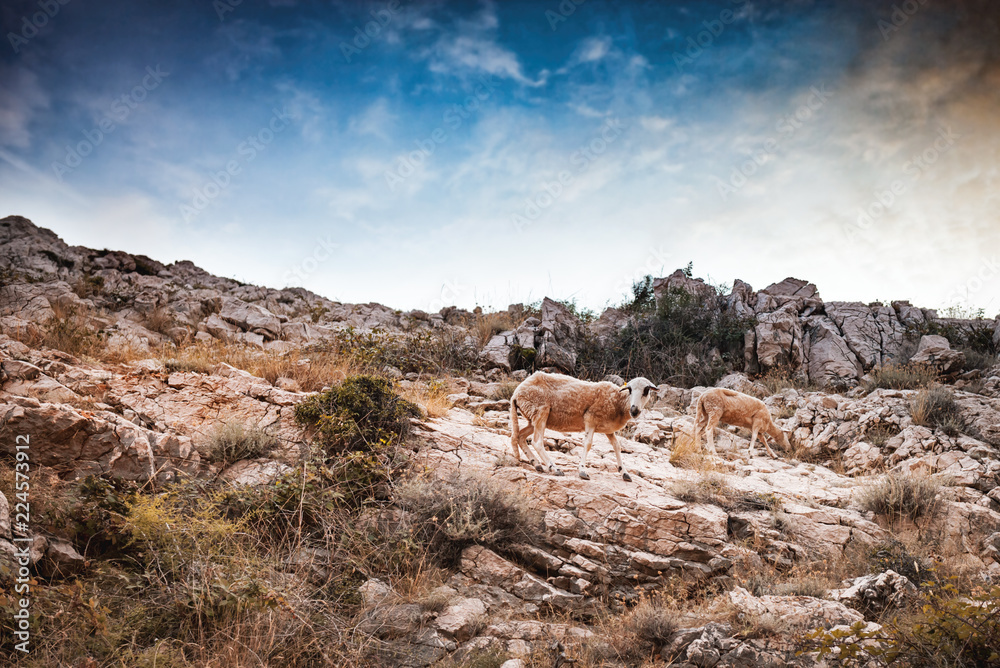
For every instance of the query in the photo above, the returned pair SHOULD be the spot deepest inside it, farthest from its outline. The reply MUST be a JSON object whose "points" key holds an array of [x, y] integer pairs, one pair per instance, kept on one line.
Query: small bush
{"points": [[233, 442], [472, 511], [899, 495], [936, 408], [879, 434], [894, 555], [900, 377], [71, 333], [362, 413]]}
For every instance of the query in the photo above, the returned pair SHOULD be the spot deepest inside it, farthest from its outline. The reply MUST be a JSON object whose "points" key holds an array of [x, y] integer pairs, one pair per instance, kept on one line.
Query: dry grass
{"points": [[900, 377], [713, 488], [488, 325], [232, 442], [897, 496], [683, 453], [312, 371], [432, 397], [158, 320], [936, 407], [505, 390]]}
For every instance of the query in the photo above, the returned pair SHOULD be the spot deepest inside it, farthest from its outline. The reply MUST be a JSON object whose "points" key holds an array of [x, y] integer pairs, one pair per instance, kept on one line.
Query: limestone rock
{"points": [[874, 594], [462, 619], [935, 351], [60, 560], [797, 613]]}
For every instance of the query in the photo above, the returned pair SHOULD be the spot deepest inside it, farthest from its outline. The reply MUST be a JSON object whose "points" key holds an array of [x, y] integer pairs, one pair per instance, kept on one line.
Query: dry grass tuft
{"points": [[488, 325], [684, 455], [432, 397], [896, 496], [233, 442], [936, 407], [909, 376]]}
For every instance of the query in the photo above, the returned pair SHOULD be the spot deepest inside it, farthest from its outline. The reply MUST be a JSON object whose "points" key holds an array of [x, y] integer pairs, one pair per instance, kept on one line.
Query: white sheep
{"points": [[570, 405], [731, 407]]}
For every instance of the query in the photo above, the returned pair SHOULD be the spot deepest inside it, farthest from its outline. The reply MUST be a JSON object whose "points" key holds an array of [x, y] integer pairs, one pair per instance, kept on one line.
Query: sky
{"points": [[424, 154]]}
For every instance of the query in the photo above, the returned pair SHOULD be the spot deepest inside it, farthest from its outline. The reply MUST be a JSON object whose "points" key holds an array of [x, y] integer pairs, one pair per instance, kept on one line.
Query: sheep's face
{"points": [[641, 394]]}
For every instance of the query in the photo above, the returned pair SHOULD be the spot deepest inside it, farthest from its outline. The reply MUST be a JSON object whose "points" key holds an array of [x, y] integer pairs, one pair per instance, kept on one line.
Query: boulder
{"points": [[874, 594], [251, 318], [462, 619], [935, 351], [831, 360], [798, 614]]}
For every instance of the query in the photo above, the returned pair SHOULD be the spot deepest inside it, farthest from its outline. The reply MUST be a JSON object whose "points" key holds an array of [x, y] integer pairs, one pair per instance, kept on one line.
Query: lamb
{"points": [[722, 405], [570, 405]]}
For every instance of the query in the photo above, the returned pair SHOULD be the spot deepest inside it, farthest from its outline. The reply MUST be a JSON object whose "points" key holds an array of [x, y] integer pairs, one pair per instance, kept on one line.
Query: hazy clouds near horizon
{"points": [[486, 153]]}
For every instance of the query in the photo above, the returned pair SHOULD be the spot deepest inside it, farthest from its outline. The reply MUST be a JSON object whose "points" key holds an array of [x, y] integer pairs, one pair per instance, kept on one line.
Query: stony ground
{"points": [[743, 556]]}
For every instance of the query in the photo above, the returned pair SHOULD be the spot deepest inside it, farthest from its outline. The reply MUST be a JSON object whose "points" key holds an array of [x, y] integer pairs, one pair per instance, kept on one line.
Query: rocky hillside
{"points": [[138, 302], [159, 536]]}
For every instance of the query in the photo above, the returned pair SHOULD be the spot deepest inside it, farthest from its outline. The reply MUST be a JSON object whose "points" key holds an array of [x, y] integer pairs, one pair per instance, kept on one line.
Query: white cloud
{"points": [[593, 49], [22, 97], [376, 120]]}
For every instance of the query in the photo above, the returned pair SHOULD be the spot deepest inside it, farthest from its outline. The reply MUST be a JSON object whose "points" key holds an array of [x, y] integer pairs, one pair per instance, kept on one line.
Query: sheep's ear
{"points": [[624, 388]]}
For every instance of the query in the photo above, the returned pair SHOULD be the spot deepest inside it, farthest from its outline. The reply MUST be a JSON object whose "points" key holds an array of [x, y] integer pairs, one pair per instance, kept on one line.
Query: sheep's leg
{"points": [[587, 442], [618, 456], [538, 443], [713, 422], [753, 440], [770, 453], [763, 439], [522, 442]]}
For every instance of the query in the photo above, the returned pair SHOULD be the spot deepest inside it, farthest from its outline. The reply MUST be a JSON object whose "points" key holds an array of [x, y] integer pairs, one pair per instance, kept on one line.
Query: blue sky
{"points": [[488, 153]]}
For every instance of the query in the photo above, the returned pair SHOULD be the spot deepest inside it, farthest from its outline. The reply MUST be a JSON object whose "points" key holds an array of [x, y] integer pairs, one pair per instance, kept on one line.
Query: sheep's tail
{"points": [[515, 429]]}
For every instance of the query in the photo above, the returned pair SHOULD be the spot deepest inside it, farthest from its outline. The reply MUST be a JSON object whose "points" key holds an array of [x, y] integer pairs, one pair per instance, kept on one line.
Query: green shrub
{"points": [[471, 511], [950, 630], [900, 377], [233, 442], [901, 495], [362, 413], [936, 407], [686, 340]]}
